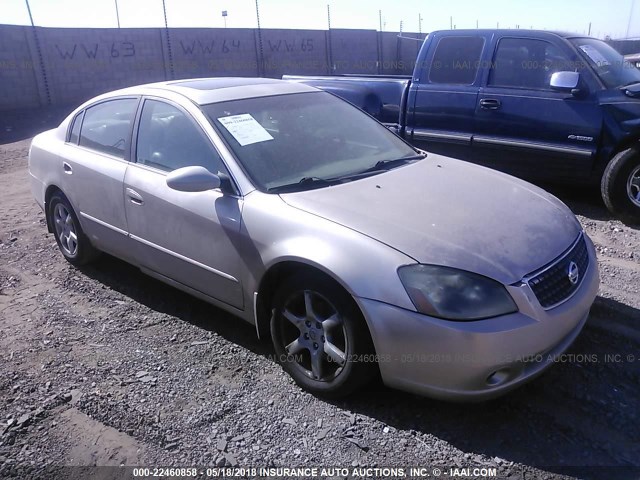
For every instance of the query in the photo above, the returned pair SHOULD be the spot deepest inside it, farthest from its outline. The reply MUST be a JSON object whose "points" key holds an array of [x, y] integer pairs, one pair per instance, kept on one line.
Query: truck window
{"points": [[456, 60], [527, 63], [609, 65]]}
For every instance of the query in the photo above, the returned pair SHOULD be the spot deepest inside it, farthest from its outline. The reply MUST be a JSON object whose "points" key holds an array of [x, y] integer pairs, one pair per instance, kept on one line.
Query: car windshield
{"points": [[305, 140], [611, 67]]}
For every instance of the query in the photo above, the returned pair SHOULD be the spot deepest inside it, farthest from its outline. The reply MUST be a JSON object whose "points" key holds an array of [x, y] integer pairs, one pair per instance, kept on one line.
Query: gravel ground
{"points": [[105, 366]]}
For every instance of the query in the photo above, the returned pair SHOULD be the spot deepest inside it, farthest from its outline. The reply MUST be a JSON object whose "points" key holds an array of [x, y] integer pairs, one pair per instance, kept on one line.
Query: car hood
{"points": [[448, 212]]}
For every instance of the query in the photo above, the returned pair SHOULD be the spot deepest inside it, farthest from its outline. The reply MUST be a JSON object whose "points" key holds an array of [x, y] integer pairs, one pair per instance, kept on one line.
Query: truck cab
{"points": [[545, 106]]}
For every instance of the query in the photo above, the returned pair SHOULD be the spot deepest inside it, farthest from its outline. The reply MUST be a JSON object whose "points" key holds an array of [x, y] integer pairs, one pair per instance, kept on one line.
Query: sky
{"points": [[607, 17]]}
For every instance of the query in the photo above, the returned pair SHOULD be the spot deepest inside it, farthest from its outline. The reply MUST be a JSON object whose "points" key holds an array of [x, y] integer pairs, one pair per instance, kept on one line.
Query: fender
{"points": [[294, 237]]}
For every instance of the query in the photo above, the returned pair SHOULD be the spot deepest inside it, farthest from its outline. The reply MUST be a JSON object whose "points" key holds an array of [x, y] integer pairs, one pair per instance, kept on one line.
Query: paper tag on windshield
{"points": [[595, 55], [245, 129]]}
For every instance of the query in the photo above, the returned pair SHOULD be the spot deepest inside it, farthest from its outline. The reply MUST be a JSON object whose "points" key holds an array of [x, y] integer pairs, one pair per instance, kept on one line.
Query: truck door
{"points": [[525, 128], [444, 93]]}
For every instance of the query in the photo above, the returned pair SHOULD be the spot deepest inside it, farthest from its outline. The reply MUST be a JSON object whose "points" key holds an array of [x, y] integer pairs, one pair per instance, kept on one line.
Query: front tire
{"points": [[621, 184], [320, 337], [71, 240]]}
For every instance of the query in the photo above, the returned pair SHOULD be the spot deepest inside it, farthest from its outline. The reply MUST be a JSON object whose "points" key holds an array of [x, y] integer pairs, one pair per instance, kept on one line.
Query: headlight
{"points": [[455, 294]]}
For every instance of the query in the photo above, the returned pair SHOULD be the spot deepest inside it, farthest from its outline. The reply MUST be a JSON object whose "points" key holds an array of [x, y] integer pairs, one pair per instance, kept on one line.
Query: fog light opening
{"points": [[499, 377]]}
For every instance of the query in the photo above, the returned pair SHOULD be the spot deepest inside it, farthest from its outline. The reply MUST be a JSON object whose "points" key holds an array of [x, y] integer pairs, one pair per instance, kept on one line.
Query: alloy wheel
{"points": [[314, 335], [65, 230], [633, 186]]}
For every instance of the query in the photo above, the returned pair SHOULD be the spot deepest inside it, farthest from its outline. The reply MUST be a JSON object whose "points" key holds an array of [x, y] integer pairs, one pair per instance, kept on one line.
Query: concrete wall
{"points": [[18, 73], [295, 52], [65, 66], [207, 52], [399, 55], [81, 63], [626, 47], [354, 51]]}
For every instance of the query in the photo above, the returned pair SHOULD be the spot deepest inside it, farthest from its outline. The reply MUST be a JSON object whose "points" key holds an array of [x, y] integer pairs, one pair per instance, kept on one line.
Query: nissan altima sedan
{"points": [[354, 252]]}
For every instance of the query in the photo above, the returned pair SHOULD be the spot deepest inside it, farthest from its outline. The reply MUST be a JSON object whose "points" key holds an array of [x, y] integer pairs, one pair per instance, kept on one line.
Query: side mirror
{"points": [[566, 82], [192, 179]]}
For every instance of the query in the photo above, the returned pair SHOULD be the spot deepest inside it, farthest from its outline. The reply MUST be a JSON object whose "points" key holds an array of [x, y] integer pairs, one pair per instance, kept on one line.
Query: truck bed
{"points": [[381, 96]]}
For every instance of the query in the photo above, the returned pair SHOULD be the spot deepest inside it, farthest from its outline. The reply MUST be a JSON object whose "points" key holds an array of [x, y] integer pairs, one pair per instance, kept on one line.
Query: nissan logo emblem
{"points": [[573, 273]]}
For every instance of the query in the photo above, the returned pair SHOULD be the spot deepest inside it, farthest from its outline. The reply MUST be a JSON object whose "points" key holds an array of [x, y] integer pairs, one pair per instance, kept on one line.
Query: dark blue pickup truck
{"points": [[540, 105]]}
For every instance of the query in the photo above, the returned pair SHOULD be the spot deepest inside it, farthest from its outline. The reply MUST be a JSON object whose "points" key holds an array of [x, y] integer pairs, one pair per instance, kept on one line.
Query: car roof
{"points": [[203, 91], [518, 32]]}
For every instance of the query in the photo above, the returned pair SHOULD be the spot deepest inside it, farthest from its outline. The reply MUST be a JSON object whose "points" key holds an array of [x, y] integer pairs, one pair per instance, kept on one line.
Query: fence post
{"points": [[399, 51], [169, 52], [43, 70], [330, 66], [261, 68]]}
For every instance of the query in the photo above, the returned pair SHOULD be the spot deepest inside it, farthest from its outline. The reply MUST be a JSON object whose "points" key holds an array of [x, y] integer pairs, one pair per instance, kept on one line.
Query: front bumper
{"points": [[478, 360]]}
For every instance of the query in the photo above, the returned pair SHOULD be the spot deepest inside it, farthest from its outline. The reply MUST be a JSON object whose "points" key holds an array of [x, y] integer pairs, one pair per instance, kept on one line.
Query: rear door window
{"points": [[107, 126], [456, 60]]}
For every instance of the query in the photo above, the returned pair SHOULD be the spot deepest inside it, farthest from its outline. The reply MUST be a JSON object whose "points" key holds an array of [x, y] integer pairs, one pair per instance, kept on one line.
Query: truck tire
{"points": [[621, 184]]}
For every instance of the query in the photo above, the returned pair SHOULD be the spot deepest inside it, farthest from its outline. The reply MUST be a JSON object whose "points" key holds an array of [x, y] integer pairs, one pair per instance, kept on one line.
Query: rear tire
{"points": [[320, 337], [621, 184], [71, 240]]}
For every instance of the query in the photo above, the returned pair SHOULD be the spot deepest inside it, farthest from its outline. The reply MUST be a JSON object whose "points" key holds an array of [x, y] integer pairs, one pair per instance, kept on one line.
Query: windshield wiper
{"points": [[379, 167], [317, 182], [389, 164], [313, 182], [385, 165]]}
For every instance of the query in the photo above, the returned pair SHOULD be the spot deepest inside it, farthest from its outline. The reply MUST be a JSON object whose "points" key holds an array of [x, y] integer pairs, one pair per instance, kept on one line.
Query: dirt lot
{"points": [[105, 366]]}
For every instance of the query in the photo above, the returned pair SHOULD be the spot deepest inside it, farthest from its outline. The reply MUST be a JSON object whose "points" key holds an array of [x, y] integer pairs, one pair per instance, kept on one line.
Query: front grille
{"points": [[552, 285]]}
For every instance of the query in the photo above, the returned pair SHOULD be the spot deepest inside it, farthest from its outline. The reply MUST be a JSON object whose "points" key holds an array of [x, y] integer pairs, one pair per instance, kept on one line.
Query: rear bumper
{"points": [[37, 190], [473, 361]]}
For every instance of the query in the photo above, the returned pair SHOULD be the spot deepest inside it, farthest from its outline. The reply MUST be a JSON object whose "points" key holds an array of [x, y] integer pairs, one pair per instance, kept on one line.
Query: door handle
{"points": [[134, 197], [490, 104], [67, 168]]}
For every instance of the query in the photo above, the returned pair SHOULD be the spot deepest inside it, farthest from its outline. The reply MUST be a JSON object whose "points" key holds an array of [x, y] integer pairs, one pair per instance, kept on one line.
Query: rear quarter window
{"points": [[74, 133], [456, 60]]}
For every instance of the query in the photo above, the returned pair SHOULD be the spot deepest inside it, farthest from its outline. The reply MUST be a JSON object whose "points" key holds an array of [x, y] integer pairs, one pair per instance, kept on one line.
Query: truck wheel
{"points": [[320, 337], [621, 184]]}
